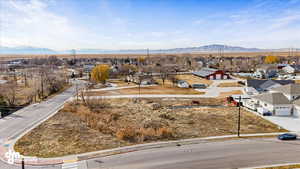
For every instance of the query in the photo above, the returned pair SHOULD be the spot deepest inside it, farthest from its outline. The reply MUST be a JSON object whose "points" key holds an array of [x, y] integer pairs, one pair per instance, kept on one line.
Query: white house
{"points": [[276, 103], [266, 71]]}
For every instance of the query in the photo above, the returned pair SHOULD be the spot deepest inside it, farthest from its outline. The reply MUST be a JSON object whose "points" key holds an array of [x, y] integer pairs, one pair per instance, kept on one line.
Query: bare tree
{"points": [[8, 92]]}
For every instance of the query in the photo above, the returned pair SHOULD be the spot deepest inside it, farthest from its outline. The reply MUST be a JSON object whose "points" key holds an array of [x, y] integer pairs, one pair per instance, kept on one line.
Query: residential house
{"points": [[266, 71], [211, 74], [291, 91], [256, 86], [276, 103], [291, 69], [280, 101]]}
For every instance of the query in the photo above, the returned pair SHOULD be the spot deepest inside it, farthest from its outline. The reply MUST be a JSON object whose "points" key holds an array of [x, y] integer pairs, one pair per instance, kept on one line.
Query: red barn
{"points": [[211, 74]]}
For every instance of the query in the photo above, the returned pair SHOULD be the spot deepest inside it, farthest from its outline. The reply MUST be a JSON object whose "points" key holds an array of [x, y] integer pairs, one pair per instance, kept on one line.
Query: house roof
{"points": [[269, 83], [296, 67], [262, 85], [272, 98], [288, 89], [205, 72]]}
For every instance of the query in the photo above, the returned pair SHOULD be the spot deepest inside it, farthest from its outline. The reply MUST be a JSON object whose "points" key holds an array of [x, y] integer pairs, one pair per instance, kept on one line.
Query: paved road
{"points": [[209, 155], [14, 125]]}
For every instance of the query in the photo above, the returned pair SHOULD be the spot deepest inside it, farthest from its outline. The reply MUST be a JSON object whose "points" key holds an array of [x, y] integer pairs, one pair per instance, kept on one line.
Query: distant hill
{"points": [[206, 48], [26, 50]]}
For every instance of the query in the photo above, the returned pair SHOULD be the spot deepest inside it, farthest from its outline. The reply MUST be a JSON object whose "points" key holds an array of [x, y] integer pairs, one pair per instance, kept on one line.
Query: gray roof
{"points": [[291, 89], [205, 72], [262, 85], [266, 85], [296, 67], [272, 98]]}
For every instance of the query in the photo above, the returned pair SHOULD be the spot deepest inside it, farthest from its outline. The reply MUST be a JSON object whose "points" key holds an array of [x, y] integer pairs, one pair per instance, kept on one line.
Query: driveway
{"points": [[289, 123], [214, 91]]}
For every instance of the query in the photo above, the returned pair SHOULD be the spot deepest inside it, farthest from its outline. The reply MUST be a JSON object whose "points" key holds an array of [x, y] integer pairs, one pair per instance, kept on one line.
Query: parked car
{"points": [[287, 136], [267, 114]]}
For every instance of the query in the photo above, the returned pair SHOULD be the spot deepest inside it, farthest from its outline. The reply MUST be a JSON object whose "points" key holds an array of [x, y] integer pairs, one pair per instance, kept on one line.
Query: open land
{"points": [[204, 54], [103, 124]]}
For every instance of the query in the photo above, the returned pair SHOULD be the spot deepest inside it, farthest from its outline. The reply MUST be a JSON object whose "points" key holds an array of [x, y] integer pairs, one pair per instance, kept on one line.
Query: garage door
{"points": [[282, 111], [296, 111], [211, 77], [218, 76]]}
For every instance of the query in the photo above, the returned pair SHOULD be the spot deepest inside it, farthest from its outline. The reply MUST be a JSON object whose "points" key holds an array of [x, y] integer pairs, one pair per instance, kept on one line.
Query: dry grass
{"points": [[148, 90], [297, 81], [284, 167], [121, 83], [204, 54], [103, 124], [230, 84], [226, 94], [191, 79]]}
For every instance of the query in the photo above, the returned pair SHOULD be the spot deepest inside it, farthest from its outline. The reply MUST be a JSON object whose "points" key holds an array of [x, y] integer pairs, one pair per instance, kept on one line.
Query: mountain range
{"points": [[206, 48]]}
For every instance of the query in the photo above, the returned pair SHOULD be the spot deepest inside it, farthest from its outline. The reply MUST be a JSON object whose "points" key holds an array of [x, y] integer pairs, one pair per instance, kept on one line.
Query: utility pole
{"points": [[239, 117], [23, 163]]}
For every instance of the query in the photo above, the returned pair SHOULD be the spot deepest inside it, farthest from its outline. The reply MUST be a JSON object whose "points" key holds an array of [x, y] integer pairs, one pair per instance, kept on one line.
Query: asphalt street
{"points": [[208, 155], [16, 124]]}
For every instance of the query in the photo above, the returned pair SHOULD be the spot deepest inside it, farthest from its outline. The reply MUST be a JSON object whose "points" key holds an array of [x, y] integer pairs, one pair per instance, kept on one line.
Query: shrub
{"points": [[128, 134]]}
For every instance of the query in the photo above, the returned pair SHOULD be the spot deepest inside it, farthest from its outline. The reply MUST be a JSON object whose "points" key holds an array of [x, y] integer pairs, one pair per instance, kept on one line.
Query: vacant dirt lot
{"points": [[230, 84], [147, 90], [103, 124], [226, 94], [191, 79], [121, 83]]}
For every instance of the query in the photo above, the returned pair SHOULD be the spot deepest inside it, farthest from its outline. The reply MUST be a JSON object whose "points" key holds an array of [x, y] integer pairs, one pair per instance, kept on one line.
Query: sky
{"points": [[153, 24]]}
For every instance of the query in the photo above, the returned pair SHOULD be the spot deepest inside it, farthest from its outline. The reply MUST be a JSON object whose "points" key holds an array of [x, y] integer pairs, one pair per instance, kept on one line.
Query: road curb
{"points": [[267, 166]]}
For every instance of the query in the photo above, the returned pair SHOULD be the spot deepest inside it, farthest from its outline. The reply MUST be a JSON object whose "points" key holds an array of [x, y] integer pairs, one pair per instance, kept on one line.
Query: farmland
{"points": [[203, 54]]}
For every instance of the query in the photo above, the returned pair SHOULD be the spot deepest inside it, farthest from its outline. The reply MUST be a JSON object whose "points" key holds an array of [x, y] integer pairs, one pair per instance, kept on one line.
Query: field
{"points": [[104, 124], [204, 54], [226, 94], [230, 84], [121, 83], [147, 90]]}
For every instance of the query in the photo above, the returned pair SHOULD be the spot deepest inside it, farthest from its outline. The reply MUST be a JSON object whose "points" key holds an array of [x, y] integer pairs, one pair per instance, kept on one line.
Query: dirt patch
{"points": [[121, 83], [103, 124], [226, 94], [230, 84], [148, 90]]}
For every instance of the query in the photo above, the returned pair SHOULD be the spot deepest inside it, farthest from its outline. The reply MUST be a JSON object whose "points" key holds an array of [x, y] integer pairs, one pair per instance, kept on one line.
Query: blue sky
{"points": [[154, 24]]}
